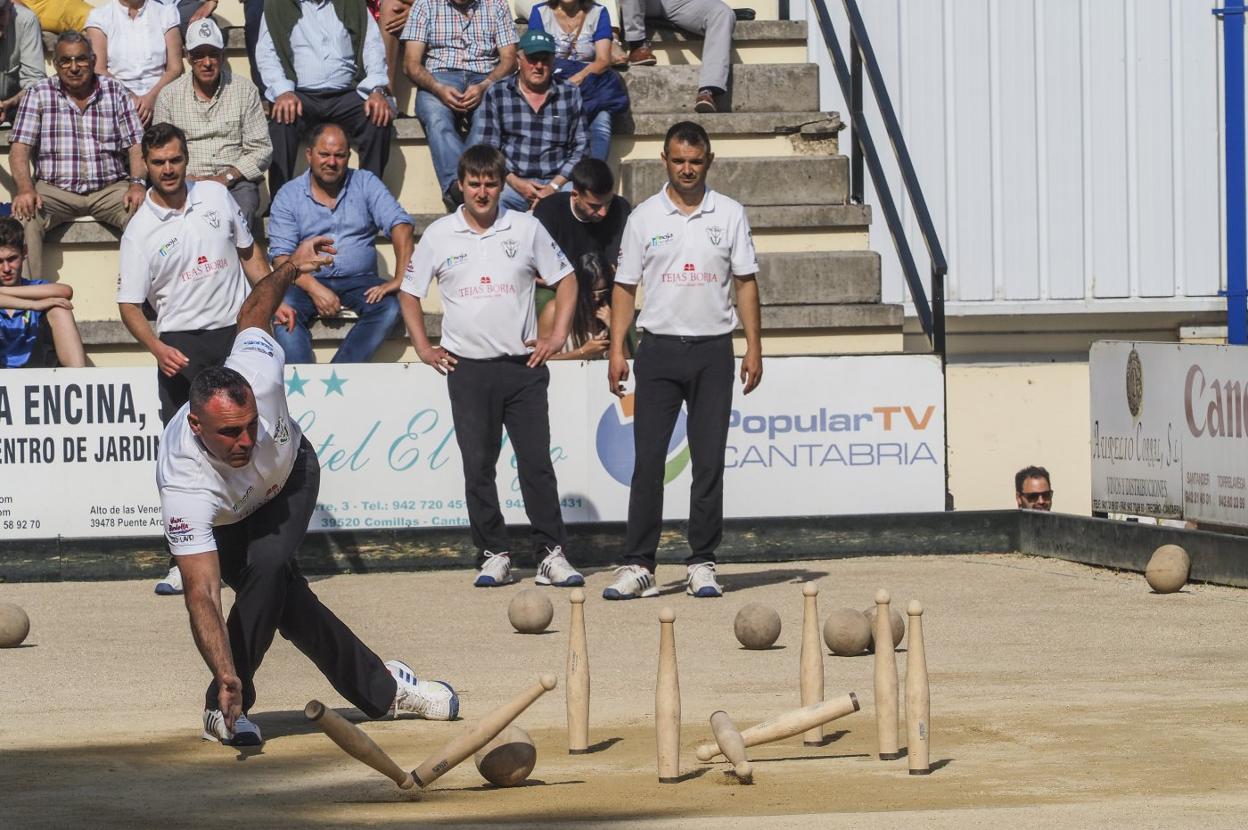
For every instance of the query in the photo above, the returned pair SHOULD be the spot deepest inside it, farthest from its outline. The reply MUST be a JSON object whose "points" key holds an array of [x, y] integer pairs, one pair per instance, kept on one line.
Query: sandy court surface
{"points": [[1062, 696]]}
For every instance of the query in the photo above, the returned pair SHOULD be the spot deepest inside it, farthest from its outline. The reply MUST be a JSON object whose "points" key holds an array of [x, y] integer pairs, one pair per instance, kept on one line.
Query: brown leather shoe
{"points": [[642, 55], [705, 102]]}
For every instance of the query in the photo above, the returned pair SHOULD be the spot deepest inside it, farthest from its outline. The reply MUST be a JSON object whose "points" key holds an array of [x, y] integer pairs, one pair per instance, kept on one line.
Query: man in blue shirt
{"points": [[323, 60], [351, 207], [35, 316]]}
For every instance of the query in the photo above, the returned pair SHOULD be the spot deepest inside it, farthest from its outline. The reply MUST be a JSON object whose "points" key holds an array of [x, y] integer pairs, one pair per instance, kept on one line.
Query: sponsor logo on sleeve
{"points": [[177, 529], [255, 344]]}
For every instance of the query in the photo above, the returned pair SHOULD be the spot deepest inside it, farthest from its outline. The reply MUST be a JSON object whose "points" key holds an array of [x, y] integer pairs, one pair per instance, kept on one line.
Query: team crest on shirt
{"points": [[715, 233], [213, 218], [281, 434], [510, 247], [234, 507]]}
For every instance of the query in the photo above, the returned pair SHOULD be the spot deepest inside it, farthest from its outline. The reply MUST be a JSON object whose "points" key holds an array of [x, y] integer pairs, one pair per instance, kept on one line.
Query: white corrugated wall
{"points": [[1070, 150]]}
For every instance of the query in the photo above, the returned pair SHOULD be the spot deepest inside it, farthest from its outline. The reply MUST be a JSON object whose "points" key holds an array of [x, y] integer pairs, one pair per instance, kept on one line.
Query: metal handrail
{"points": [[849, 76]]}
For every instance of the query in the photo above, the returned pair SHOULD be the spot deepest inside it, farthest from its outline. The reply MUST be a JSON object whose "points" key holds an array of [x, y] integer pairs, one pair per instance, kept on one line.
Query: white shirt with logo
{"points": [[199, 492], [685, 264], [486, 280], [185, 263], [136, 45]]}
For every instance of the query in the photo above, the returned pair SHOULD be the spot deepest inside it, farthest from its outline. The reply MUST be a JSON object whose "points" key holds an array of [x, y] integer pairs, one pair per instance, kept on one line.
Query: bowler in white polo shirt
{"points": [[686, 246], [487, 260]]}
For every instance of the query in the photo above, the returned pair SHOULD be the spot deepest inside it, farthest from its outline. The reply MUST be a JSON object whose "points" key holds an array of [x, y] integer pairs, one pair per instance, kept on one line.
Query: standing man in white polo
{"points": [[186, 254], [686, 246], [487, 260]]}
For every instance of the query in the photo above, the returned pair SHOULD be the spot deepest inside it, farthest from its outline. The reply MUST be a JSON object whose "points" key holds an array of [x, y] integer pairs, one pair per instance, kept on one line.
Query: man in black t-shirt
{"points": [[591, 218]]}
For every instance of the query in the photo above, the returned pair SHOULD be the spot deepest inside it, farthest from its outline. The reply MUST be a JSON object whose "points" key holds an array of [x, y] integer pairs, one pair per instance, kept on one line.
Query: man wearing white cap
{"points": [[226, 132]]}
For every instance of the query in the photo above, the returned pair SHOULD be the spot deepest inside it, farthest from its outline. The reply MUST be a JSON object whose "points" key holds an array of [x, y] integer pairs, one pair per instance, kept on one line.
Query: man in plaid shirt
{"points": [[536, 123], [84, 134], [454, 50]]}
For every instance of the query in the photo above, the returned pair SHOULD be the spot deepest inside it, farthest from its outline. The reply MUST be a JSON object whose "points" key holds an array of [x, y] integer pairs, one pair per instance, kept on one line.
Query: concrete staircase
{"points": [[776, 152]]}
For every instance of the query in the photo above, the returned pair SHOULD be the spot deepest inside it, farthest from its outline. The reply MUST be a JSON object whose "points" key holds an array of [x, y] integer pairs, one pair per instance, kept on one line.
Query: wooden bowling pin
{"points": [[577, 680], [732, 745], [812, 658], [885, 680], [788, 724], [918, 699], [667, 701]]}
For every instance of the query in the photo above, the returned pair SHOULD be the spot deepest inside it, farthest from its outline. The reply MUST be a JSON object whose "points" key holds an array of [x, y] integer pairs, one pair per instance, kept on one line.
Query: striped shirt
{"points": [[227, 130], [77, 150], [541, 144], [461, 38]]}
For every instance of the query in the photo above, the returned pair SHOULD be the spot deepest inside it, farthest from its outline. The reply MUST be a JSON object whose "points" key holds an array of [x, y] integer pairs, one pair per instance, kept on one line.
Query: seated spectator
{"points": [[37, 326], [1032, 489], [590, 334], [226, 132], [537, 124], [352, 207], [136, 42], [21, 56], [322, 62], [454, 50], [714, 20], [58, 16], [582, 33], [83, 133]]}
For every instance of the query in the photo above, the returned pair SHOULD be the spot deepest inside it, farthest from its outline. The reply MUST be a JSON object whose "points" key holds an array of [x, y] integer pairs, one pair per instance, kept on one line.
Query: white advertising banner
{"points": [[1168, 431], [820, 436]]}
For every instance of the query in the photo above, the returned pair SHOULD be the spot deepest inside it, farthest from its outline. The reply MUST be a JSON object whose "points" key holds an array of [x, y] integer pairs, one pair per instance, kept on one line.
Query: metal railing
{"points": [[849, 76]]}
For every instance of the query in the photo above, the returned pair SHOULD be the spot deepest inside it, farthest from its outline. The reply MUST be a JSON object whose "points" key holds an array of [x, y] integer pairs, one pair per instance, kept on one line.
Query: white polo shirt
{"points": [[197, 491], [136, 45], [486, 280], [185, 263], [685, 264]]}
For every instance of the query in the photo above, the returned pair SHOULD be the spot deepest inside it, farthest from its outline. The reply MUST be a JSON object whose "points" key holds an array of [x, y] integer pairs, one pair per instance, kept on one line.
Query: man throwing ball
{"points": [[238, 483]]}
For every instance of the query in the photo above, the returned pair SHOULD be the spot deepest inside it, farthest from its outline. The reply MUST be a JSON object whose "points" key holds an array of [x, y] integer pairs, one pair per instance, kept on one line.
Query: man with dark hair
{"points": [[238, 484], [82, 131], [186, 252], [487, 260], [686, 245], [37, 328], [355, 206], [590, 219], [1033, 489]]}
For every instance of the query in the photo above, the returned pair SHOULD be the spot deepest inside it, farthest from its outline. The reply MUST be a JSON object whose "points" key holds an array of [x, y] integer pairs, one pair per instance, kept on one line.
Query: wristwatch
{"points": [[385, 92], [139, 180], [230, 178]]}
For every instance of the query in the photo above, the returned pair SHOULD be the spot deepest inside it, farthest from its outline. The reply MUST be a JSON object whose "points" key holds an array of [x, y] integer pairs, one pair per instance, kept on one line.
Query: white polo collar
{"points": [[502, 222], [164, 213], [707, 206]]}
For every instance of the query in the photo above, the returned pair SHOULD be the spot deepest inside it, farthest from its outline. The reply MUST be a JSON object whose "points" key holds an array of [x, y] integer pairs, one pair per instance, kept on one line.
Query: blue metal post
{"points": [[1236, 183]]}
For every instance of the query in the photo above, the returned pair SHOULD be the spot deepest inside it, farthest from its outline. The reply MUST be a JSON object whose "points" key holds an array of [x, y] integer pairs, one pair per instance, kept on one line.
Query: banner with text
{"points": [[820, 436]]}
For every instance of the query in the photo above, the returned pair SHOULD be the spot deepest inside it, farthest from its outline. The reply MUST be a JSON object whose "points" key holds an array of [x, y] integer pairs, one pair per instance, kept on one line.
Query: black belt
{"points": [[684, 338], [502, 358]]}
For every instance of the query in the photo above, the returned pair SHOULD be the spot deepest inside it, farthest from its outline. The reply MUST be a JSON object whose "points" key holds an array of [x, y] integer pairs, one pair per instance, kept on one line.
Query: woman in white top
{"points": [[137, 43], [582, 33]]}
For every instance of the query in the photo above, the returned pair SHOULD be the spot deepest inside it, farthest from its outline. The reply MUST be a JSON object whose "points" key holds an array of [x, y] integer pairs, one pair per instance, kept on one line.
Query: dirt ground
{"points": [[1062, 697]]}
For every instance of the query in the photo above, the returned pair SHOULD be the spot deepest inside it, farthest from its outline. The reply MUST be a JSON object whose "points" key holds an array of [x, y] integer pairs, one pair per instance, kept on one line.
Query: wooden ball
{"points": [[757, 626], [847, 632], [14, 625], [508, 759], [530, 611], [1168, 569], [894, 616]]}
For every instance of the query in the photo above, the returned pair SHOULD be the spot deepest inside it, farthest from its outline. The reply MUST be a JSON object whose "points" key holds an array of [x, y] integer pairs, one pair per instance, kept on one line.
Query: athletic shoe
{"points": [[555, 570], [495, 571], [631, 582], [428, 699], [701, 581], [245, 732], [171, 585]]}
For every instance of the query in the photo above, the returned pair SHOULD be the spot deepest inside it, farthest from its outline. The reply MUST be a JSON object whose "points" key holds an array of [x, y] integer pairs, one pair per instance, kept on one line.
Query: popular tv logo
{"points": [[614, 440]]}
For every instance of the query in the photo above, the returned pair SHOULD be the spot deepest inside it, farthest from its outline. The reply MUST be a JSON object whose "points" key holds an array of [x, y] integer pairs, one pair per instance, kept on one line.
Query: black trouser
{"points": [[344, 108], [669, 371], [271, 595], [487, 395], [202, 349]]}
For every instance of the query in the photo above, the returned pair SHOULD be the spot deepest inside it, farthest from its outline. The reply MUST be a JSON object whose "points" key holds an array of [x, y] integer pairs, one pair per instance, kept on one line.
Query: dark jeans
{"points": [[271, 596], [342, 107], [202, 349], [669, 371], [376, 320], [253, 11], [487, 395]]}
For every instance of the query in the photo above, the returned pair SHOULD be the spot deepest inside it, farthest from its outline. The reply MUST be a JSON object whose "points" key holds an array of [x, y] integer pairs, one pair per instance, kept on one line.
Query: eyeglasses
{"points": [[200, 57], [1046, 495], [70, 60]]}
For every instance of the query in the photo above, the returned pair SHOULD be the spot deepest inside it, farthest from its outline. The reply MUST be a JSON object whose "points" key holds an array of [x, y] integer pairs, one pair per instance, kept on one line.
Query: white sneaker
{"points": [[245, 732], [555, 570], [428, 699], [495, 571], [171, 585], [700, 581], [631, 582]]}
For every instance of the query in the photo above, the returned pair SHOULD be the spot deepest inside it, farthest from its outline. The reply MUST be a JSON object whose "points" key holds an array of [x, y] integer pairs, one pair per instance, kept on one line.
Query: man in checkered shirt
{"points": [[537, 123], [83, 133]]}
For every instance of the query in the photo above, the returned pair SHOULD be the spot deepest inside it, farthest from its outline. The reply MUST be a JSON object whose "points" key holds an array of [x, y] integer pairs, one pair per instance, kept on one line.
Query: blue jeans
{"points": [[600, 135], [441, 124], [374, 323], [512, 200]]}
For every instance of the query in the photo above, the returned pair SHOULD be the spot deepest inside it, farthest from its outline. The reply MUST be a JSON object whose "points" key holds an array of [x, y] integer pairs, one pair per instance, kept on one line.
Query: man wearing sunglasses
{"points": [[1032, 489]]}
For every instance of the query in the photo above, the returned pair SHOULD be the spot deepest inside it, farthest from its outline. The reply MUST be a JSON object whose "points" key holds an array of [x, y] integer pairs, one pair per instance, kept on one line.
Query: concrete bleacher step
{"points": [[769, 87], [831, 277], [813, 180]]}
